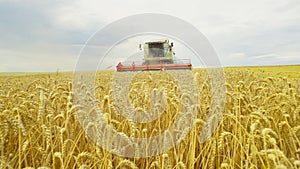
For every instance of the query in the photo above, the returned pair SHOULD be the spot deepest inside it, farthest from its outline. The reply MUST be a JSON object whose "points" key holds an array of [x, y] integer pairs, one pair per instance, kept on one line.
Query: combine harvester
{"points": [[159, 56]]}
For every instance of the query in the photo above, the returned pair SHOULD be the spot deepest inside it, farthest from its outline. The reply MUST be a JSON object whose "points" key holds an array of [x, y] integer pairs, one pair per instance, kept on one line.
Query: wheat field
{"points": [[260, 125]]}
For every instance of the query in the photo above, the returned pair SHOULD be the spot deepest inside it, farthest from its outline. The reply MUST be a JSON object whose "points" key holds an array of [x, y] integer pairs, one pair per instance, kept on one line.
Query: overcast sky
{"points": [[46, 35]]}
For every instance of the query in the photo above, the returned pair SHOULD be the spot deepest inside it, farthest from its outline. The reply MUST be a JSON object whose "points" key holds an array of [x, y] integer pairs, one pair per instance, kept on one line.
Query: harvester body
{"points": [[158, 55]]}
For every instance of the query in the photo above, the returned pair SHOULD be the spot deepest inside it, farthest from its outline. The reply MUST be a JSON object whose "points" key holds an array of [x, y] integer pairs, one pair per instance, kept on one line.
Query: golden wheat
{"points": [[260, 126]]}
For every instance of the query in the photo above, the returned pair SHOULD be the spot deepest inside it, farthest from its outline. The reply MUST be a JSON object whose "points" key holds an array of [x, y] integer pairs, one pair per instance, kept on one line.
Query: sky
{"points": [[48, 35]]}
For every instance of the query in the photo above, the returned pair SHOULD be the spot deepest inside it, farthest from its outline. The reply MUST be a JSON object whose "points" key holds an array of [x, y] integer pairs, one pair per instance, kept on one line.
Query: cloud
{"points": [[32, 41], [242, 32], [237, 59], [44, 58]]}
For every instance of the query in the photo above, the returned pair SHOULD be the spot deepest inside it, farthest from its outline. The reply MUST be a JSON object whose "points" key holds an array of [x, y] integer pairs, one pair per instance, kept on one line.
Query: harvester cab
{"points": [[158, 55], [157, 51]]}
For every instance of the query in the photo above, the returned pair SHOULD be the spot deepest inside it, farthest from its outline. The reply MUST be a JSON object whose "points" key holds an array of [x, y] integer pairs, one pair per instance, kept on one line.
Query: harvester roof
{"points": [[158, 41]]}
